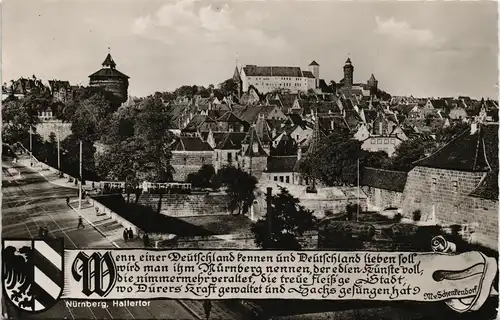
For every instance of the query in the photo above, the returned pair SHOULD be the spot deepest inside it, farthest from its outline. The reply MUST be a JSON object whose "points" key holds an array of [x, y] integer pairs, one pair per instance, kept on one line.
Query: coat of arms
{"points": [[32, 272]]}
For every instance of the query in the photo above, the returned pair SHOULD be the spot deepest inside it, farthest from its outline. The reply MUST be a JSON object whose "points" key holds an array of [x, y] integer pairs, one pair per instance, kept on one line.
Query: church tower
{"points": [[110, 79], [238, 83], [372, 84], [348, 73]]}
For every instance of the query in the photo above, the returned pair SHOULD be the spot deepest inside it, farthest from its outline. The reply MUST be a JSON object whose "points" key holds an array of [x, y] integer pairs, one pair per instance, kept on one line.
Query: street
{"points": [[29, 201]]}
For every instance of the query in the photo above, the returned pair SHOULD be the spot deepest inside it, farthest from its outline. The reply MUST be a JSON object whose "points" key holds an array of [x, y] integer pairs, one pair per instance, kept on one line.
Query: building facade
{"points": [[269, 78]]}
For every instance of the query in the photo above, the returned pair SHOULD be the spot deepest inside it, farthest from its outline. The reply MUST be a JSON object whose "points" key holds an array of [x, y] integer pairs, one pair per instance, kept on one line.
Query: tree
{"points": [[70, 158], [228, 87], [138, 140], [152, 129], [446, 134], [410, 151], [335, 161], [89, 118], [239, 185], [287, 221], [18, 116], [203, 178]]}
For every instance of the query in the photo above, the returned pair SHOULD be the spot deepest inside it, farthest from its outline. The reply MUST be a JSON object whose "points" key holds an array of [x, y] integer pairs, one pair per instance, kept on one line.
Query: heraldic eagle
{"points": [[18, 274]]}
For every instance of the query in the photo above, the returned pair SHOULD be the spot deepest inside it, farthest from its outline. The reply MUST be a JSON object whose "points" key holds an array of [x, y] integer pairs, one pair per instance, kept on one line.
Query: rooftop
{"points": [[190, 144], [467, 152], [383, 179]]}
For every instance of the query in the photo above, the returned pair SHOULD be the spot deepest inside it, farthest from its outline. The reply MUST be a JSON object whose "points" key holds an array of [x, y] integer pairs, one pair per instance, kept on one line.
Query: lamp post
{"points": [[80, 182], [31, 148]]}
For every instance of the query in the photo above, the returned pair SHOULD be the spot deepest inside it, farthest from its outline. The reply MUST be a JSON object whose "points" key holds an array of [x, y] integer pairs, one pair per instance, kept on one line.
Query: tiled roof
{"points": [[252, 138], [333, 123], [488, 188], [325, 87], [467, 152], [308, 74], [109, 61], [57, 84], [272, 71], [190, 144], [228, 117], [370, 115], [383, 179], [439, 103], [231, 141], [287, 100], [108, 73], [314, 63], [196, 122], [281, 163]]}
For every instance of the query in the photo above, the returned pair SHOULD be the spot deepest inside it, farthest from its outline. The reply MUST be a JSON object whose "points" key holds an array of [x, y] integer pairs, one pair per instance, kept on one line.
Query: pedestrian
{"points": [[40, 232], [207, 306], [45, 232], [125, 235], [80, 222], [130, 234], [97, 211]]}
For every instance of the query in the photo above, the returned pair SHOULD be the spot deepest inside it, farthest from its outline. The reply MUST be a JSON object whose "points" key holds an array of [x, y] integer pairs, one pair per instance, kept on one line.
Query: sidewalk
{"points": [[113, 231]]}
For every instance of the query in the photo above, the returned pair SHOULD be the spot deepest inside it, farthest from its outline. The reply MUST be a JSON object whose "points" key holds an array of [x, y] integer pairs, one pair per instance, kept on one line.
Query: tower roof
{"points": [[372, 78], [314, 63], [348, 61], [109, 62]]}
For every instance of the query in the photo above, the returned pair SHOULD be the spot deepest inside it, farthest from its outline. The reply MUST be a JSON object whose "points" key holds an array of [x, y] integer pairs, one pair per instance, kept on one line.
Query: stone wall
{"points": [[186, 162], [185, 205], [446, 194], [258, 164], [379, 199], [309, 241], [46, 127], [482, 215]]}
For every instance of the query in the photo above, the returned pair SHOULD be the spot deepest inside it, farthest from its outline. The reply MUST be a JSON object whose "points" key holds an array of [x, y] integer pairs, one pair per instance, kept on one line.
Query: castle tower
{"points": [[348, 73], [314, 68], [372, 85], [110, 79]]}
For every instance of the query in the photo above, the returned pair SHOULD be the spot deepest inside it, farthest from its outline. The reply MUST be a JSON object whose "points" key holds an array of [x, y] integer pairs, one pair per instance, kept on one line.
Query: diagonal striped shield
{"points": [[32, 272]]}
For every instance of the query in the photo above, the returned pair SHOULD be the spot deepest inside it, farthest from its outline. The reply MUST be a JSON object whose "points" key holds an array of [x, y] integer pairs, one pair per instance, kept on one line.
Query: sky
{"points": [[437, 49]]}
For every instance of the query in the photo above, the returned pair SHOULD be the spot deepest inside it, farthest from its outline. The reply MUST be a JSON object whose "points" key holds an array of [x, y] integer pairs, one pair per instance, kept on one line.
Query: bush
{"points": [[417, 215]]}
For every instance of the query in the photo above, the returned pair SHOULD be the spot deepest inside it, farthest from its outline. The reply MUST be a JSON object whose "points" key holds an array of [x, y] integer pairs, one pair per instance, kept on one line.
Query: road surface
{"points": [[29, 201]]}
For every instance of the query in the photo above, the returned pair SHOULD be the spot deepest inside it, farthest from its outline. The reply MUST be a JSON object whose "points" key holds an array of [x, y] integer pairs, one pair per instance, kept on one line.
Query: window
{"points": [[372, 141], [386, 141], [229, 157], [379, 141], [287, 179], [455, 186], [185, 161], [275, 178], [202, 160], [216, 156], [281, 178], [434, 183]]}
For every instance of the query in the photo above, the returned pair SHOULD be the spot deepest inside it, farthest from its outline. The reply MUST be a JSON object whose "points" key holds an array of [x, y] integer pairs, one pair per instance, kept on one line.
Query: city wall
{"points": [[185, 205]]}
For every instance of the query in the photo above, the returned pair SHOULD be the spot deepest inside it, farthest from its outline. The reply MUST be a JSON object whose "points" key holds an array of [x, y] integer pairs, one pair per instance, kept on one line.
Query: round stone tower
{"points": [[110, 79]]}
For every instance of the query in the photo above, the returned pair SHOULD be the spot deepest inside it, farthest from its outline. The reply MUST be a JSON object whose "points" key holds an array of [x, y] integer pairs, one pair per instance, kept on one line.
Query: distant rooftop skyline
{"points": [[424, 49]]}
